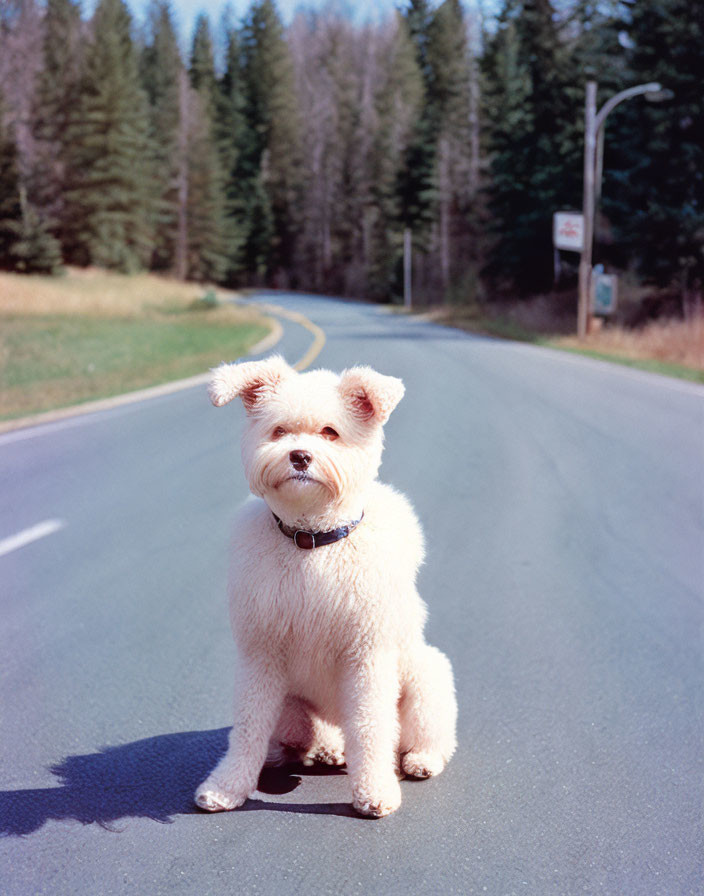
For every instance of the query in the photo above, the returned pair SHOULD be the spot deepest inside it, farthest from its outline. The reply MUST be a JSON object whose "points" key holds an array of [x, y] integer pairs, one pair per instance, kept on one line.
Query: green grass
{"points": [[510, 330], [54, 360], [651, 365]]}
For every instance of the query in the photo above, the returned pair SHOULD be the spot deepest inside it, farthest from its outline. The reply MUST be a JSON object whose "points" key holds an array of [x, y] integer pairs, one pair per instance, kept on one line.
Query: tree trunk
{"points": [[181, 247]]}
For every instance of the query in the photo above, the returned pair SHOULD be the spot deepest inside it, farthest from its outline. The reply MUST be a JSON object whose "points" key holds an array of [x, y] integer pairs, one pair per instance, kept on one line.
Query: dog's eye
{"points": [[278, 432], [329, 433]]}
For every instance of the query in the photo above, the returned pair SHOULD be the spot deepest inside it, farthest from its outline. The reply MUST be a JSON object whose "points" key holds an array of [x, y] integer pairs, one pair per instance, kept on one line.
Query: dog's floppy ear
{"points": [[252, 381], [370, 396]]}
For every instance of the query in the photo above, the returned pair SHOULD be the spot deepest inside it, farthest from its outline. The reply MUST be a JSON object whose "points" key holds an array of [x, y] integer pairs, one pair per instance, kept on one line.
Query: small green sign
{"points": [[604, 290]]}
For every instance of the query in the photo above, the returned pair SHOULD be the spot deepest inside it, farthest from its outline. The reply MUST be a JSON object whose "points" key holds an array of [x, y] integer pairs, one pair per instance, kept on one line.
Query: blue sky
{"points": [[186, 11]]}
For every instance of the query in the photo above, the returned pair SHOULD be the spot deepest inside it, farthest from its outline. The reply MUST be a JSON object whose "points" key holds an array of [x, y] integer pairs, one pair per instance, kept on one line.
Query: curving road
{"points": [[562, 501]]}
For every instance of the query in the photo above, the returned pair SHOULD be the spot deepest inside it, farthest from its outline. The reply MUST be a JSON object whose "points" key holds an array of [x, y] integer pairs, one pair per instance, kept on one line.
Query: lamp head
{"points": [[657, 93]]}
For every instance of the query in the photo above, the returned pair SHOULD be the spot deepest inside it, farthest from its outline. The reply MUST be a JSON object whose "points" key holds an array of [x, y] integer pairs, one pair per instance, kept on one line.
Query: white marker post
{"points": [[407, 268]]}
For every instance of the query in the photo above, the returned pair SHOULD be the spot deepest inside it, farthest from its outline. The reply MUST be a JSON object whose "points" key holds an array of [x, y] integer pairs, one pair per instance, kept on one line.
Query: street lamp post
{"points": [[593, 133]]}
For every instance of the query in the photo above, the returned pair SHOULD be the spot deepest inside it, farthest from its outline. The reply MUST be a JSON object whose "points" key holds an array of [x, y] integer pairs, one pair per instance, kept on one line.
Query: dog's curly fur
{"points": [[332, 663]]}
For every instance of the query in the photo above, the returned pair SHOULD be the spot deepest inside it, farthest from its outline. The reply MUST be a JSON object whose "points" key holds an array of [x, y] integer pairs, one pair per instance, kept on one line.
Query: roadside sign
{"points": [[604, 292], [568, 231]]}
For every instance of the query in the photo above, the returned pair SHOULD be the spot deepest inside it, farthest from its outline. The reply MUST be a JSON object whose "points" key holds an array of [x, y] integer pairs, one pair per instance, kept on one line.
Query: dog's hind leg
{"points": [[300, 732], [428, 713], [293, 734], [328, 744]]}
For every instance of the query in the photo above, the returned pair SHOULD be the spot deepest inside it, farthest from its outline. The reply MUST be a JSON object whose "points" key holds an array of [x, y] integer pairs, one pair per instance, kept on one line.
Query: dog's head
{"points": [[313, 440]]}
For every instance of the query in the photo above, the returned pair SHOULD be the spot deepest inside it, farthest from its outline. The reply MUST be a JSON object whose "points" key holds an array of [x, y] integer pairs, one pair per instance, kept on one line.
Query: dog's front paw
{"points": [[422, 765], [378, 800], [213, 797]]}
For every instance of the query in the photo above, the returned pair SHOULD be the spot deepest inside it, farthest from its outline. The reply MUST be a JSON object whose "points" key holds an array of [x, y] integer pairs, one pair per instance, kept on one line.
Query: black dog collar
{"points": [[309, 540]]}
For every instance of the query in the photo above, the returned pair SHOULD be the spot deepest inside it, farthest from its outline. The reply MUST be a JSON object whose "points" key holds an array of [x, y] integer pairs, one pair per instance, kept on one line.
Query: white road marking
{"points": [[27, 536]]}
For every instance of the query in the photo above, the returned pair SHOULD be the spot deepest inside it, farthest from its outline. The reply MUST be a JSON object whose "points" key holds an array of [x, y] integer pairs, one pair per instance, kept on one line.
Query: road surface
{"points": [[562, 502]]}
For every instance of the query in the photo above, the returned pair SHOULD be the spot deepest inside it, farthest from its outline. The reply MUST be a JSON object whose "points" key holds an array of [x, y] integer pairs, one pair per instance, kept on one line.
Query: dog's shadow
{"points": [[153, 778]]}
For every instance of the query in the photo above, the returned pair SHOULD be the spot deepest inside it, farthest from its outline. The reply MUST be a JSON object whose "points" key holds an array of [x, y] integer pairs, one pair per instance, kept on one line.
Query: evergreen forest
{"points": [[296, 156]]}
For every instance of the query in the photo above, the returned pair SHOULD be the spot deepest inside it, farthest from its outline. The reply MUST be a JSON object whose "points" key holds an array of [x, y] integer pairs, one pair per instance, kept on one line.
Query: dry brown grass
{"points": [[92, 334], [93, 292], [669, 341], [671, 346]]}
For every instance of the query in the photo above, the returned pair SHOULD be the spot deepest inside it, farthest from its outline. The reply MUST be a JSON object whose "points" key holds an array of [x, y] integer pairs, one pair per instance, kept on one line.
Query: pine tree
{"points": [[161, 69], [21, 28], [56, 106], [26, 245], [10, 206], [271, 109], [418, 17], [415, 184], [257, 247], [205, 208], [447, 61], [654, 160], [449, 102], [108, 191], [202, 67], [233, 138], [535, 165], [37, 251], [398, 103], [509, 133]]}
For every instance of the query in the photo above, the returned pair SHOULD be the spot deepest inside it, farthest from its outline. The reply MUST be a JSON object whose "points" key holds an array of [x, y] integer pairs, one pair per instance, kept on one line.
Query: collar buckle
{"points": [[306, 540], [303, 539]]}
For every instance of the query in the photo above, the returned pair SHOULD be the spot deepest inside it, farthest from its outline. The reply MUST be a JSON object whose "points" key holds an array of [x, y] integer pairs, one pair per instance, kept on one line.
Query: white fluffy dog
{"points": [[332, 663]]}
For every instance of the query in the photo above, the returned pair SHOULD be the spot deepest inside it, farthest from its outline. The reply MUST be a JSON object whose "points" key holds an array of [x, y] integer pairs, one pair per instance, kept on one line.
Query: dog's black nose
{"points": [[300, 460]]}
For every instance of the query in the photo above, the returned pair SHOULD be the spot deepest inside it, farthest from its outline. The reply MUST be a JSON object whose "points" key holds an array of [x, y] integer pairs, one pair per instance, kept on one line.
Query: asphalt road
{"points": [[562, 501]]}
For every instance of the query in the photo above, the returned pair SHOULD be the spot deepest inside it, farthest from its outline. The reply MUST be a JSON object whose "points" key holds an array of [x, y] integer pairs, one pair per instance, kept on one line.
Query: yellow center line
{"points": [[297, 318]]}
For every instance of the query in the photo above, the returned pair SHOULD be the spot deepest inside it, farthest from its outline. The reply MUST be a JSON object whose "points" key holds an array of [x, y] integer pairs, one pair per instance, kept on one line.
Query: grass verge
{"points": [[671, 348], [93, 335]]}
